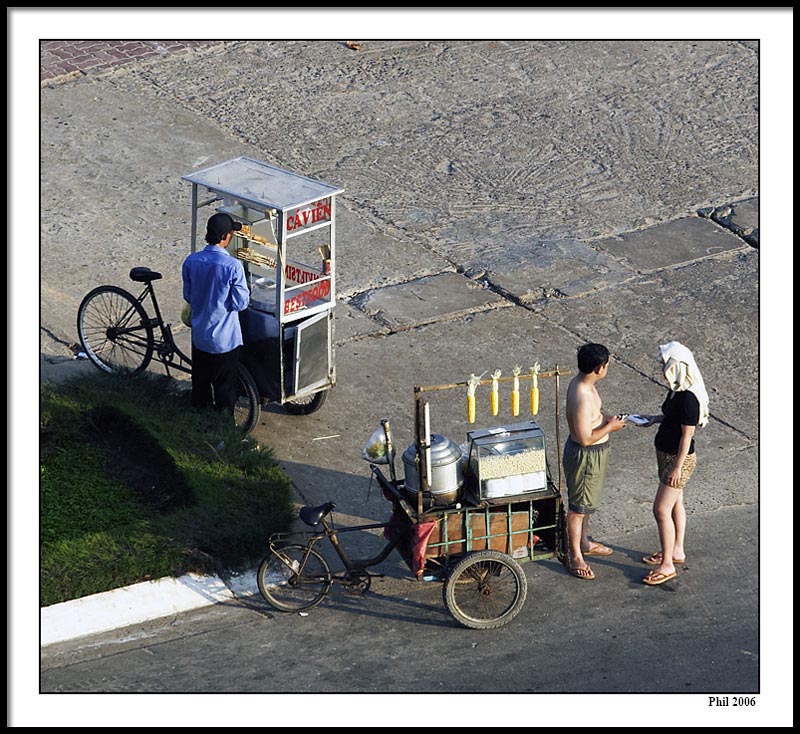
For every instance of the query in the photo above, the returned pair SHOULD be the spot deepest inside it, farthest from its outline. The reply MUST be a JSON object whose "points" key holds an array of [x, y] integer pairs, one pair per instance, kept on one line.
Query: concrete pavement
{"points": [[504, 204]]}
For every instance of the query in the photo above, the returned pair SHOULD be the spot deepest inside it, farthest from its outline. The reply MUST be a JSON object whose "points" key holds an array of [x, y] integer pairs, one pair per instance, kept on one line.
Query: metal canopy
{"points": [[261, 185]]}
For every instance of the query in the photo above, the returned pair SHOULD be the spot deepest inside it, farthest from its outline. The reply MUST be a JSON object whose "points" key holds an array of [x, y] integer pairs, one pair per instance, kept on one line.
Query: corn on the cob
{"points": [[515, 391], [535, 389], [472, 383], [495, 394]]}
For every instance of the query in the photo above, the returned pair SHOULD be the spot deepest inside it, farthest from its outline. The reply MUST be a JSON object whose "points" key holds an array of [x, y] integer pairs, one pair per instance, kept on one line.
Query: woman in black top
{"points": [[685, 407]]}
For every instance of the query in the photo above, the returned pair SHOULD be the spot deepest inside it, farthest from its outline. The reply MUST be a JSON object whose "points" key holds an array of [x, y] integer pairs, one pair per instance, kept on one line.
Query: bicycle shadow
{"points": [[428, 611]]}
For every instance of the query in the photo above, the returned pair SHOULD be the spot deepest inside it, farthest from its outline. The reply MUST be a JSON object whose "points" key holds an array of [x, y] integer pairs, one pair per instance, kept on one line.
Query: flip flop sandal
{"points": [[654, 579], [654, 559], [599, 550], [582, 573]]}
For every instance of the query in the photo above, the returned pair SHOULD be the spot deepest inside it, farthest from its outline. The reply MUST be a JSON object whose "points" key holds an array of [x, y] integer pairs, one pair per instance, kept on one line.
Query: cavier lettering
{"points": [[301, 300], [317, 212]]}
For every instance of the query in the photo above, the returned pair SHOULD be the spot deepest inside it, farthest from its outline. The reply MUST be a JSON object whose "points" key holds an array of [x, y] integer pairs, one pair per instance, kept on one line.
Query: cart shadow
{"points": [[389, 607], [373, 604]]}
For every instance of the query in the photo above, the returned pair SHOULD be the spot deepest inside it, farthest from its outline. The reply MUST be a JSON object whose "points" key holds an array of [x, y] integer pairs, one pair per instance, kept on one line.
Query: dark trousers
{"points": [[214, 379]]}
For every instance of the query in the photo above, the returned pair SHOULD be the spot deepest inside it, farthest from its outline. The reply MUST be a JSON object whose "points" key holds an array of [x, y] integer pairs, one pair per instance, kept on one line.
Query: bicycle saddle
{"points": [[144, 275], [313, 515]]}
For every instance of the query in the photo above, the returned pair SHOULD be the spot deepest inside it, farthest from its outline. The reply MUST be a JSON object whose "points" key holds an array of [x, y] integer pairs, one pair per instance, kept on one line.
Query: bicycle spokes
{"points": [[294, 578], [114, 330]]}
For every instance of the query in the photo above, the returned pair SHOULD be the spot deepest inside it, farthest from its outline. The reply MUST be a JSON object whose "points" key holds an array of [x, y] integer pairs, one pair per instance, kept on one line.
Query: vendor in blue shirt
{"points": [[215, 287]]}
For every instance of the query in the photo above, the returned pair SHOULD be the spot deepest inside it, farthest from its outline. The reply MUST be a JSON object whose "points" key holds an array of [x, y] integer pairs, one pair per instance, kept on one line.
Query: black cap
{"points": [[219, 225]]}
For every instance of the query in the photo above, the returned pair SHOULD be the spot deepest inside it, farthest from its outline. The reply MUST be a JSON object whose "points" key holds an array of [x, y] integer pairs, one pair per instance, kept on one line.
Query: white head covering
{"points": [[682, 373]]}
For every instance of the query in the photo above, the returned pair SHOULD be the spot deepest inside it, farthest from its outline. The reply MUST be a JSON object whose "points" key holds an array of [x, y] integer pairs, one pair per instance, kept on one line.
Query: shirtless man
{"points": [[586, 454]]}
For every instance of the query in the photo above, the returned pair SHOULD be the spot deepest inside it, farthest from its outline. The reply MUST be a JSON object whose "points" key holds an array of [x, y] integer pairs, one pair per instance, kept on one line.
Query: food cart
{"points": [[467, 518], [287, 245]]}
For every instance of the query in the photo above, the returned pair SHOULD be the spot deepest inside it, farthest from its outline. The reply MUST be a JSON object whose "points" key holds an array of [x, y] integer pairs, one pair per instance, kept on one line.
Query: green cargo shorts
{"points": [[585, 469]]}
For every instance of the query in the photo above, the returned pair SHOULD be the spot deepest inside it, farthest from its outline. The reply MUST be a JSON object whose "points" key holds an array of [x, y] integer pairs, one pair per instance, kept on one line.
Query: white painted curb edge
{"points": [[138, 603]]}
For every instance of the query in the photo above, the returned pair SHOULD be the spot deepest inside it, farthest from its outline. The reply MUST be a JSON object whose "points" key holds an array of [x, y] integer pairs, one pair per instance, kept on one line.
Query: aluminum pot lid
{"points": [[443, 451]]}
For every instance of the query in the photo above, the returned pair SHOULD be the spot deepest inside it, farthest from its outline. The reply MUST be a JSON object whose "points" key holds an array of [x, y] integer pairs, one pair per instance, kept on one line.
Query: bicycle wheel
{"points": [[304, 406], [114, 330], [485, 590], [247, 410], [287, 590]]}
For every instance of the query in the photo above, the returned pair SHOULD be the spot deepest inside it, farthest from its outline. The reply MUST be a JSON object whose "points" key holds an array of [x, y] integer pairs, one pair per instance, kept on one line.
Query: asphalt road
{"points": [[505, 201]]}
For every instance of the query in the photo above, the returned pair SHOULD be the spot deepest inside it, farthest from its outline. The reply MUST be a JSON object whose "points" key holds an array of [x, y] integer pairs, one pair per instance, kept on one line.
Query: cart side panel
{"points": [[311, 352], [523, 530]]}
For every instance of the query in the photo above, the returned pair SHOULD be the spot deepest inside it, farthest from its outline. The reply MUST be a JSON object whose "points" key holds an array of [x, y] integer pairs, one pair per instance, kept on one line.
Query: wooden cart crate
{"points": [[524, 530]]}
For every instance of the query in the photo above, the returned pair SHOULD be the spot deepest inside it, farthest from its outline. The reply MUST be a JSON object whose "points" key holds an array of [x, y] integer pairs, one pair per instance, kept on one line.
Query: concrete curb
{"points": [[139, 603]]}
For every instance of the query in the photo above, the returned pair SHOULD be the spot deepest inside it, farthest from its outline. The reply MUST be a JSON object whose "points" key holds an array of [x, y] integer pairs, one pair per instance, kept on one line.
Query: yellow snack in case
{"points": [[515, 391], [495, 394], [535, 389]]}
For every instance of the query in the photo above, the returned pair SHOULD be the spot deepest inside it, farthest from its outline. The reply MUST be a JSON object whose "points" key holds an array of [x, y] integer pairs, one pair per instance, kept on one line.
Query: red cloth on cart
{"points": [[419, 544], [413, 536]]}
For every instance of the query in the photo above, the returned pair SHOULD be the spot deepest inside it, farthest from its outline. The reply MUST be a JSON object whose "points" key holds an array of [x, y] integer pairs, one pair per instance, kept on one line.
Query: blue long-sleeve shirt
{"points": [[214, 285]]}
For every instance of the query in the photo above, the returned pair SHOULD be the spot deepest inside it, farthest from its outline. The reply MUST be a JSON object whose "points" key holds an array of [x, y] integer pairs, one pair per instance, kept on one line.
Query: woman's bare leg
{"points": [[679, 521], [663, 507]]}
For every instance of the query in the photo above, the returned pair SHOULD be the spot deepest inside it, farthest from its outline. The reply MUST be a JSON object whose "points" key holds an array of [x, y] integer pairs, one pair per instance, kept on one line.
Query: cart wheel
{"points": [[485, 590], [247, 410], [304, 406]]}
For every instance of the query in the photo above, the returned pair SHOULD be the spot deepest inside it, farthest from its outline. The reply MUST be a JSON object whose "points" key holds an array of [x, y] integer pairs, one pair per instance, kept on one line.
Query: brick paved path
{"points": [[64, 57]]}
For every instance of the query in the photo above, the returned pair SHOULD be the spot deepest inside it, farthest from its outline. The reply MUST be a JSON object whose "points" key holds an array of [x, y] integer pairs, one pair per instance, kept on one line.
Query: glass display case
{"points": [[506, 461]]}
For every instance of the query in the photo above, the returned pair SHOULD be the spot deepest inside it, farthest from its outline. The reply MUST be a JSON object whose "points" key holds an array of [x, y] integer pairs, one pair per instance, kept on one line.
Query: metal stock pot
{"points": [[446, 475]]}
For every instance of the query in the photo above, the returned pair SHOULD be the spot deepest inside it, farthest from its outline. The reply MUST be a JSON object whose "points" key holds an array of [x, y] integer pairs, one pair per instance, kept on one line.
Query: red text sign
{"points": [[319, 211], [307, 297]]}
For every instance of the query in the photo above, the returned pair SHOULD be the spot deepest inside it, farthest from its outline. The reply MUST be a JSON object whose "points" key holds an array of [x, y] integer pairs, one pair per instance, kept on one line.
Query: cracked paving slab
{"points": [[351, 323], [426, 300], [741, 218], [667, 245], [534, 270]]}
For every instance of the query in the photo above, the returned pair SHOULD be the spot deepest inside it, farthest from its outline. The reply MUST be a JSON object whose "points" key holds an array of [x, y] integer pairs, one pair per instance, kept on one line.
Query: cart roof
{"points": [[261, 185]]}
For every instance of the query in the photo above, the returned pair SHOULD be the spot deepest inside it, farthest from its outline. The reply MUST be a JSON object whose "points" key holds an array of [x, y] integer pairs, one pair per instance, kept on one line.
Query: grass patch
{"points": [[136, 484]]}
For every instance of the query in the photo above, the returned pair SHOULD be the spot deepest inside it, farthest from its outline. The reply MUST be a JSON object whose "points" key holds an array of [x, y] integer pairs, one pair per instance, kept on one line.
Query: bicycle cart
{"points": [[287, 327], [287, 245], [466, 520]]}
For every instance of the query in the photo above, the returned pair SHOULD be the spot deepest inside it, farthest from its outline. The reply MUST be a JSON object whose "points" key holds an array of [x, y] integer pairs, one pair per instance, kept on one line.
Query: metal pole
{"points": [[449, 386], [279, 305], [418, 447], [387, 432], [194, 217], [558, 432], [332, 243]]}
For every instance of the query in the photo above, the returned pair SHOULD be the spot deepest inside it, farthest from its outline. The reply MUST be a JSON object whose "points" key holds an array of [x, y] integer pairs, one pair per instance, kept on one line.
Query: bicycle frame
{"points": [[350, 565], [165, 349]]}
